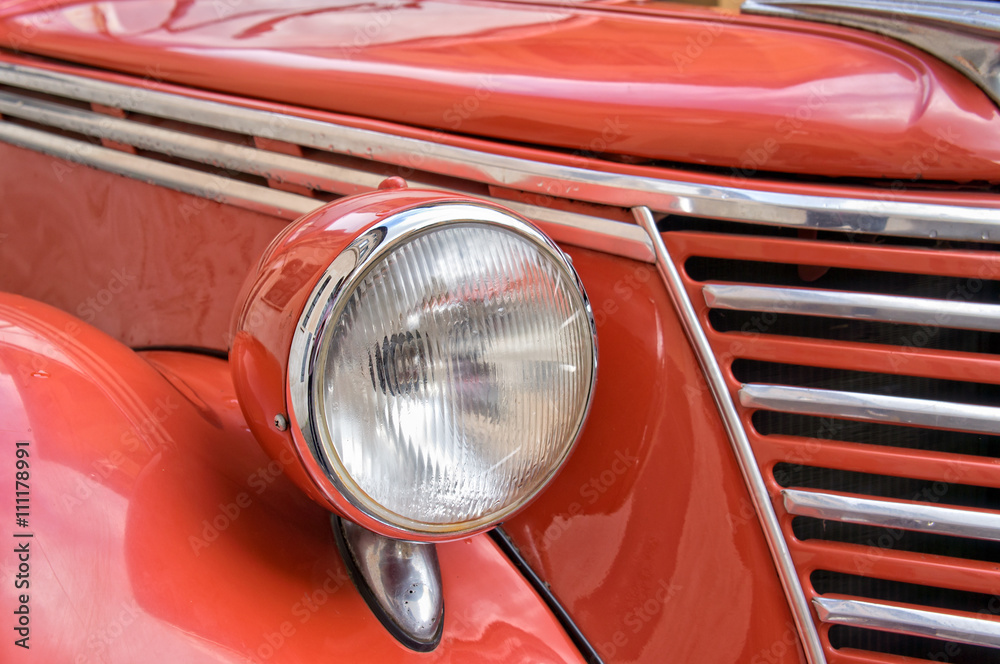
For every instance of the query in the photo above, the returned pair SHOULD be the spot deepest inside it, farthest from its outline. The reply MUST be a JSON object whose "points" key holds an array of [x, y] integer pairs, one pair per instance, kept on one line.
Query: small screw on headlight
{"points": [[280, 422]]}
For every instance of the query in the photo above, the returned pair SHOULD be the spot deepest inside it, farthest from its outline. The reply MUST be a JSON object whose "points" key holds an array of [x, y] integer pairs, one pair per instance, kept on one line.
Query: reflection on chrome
{"points": [[907, 620]]}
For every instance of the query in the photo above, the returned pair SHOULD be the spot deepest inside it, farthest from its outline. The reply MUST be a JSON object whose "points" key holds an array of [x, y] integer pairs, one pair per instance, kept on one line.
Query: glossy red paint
{"points": [[159, 526], [770, 450], [648, 535], [269, 309], [690, 87], [149, 266]]}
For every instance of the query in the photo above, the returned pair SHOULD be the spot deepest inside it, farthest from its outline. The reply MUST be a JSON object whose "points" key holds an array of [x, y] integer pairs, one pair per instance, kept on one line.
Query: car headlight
{"points": [[440, 369]]}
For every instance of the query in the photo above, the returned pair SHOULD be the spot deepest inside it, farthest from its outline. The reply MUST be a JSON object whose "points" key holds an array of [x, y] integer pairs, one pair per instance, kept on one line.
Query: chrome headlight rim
{"points": [[310, 345]]}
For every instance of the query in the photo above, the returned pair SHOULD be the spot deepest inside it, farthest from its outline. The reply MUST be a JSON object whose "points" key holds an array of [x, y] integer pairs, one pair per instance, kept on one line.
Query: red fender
{"points": [[156, 529]]}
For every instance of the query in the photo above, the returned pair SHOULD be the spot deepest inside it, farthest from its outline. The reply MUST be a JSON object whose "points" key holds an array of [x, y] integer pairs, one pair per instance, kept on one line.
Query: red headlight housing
{"points": [[422, 363]]}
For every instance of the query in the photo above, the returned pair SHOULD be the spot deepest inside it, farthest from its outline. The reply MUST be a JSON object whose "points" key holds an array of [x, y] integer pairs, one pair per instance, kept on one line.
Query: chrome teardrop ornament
{"points": [[399, 580]]}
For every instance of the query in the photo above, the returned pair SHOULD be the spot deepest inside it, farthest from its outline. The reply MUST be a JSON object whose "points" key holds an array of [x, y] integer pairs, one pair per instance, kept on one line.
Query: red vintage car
{"points": [[499, 331]]}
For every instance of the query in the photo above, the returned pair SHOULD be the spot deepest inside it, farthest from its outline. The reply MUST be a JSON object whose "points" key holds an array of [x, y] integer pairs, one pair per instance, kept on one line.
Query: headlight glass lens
{"points": [[454, 378]]}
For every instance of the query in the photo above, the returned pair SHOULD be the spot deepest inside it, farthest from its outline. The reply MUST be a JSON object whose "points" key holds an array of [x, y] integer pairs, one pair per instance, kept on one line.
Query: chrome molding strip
{"points": [[890, 514], [873, 408], [891, 217], [963, 33], [861, 306], [205, 185], [573, 228], [906, 620], [610, 237], [264, 163], [811, 644]]}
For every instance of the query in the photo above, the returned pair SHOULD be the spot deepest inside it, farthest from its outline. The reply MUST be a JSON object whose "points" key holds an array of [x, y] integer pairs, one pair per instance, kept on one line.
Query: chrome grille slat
{"points": [[859, 306], [907, 620], [872, 407], [891, 514]]}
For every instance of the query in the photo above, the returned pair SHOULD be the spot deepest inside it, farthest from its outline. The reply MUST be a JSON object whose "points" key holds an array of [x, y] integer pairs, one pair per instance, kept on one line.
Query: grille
{"points": [[865, 374]]}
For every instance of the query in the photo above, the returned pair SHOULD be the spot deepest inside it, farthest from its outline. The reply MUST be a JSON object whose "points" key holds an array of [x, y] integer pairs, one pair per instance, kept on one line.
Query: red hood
{"points": [[678, 85]]}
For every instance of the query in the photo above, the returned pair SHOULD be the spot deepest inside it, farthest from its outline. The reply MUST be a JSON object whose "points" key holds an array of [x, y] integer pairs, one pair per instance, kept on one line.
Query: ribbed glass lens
{"points": [[456, 376]]}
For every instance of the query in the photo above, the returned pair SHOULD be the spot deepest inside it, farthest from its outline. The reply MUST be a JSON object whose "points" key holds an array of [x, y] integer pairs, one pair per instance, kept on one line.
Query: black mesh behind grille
{"points": [[769, 422], [862, 281], [861, 331], [884, 486], [916, 387], [827, 582], [842, 636], [880, 540]]}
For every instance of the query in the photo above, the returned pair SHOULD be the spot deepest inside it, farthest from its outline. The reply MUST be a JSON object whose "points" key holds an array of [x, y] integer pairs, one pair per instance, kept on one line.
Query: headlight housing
{"points": [[440, 368]]}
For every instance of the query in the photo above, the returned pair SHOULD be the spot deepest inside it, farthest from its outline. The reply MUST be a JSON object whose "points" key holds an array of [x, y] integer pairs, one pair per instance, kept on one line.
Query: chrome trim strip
{"points": [[231, 156], [610, 237], [873, 407], [569, 227], [964, 34], [891, 217], [891, 514], [811, 644], [905, 620], [861, 306], [213, 187]]}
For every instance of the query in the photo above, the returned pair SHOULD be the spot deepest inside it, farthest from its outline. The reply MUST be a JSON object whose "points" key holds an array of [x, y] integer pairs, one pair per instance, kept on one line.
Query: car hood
{"points": [[747, 95]]}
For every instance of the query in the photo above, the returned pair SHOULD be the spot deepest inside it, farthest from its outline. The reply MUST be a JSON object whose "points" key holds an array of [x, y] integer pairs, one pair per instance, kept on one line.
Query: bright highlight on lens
{"points": [[454, 375]]}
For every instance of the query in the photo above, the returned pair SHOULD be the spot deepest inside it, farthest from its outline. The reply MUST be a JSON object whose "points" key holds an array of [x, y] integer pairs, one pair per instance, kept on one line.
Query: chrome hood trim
{"points": [[887, 214], [963, 33]]}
